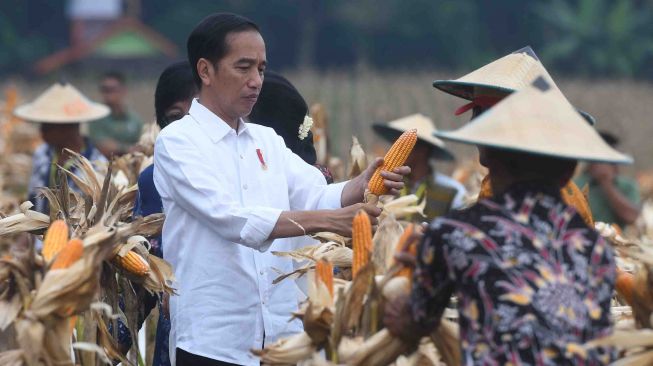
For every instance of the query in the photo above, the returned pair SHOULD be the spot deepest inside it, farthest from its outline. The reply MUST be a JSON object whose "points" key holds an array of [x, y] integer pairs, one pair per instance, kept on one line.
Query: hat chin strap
{"points": [[484, 101]]}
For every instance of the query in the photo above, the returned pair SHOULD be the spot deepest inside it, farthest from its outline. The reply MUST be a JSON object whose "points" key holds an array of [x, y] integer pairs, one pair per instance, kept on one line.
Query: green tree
{"points": [[590, 37]]}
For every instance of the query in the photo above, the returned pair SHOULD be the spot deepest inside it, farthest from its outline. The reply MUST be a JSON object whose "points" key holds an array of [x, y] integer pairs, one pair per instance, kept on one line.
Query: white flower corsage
{"points": [[305, 127]]}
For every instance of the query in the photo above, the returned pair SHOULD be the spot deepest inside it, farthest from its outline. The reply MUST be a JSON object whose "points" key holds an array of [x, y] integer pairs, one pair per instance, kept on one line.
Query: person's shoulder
{"points": [[146, 175], [183, 128], [261, 130], [146, 178], [134, 117], [42, 149], [467, 214], [626, 181]]}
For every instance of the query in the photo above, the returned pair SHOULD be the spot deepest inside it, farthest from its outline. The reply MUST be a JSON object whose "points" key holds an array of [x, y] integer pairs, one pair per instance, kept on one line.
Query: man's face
{"points": [[419, 156], [113, 92], [237, 78], [58, 135]]}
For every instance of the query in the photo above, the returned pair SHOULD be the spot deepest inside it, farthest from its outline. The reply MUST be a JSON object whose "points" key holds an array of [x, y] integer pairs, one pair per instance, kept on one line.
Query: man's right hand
{"points": [[340, 220]]}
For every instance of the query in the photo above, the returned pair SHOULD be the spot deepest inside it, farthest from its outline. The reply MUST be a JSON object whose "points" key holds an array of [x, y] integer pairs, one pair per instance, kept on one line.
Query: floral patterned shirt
{"points": [[533, 281]]}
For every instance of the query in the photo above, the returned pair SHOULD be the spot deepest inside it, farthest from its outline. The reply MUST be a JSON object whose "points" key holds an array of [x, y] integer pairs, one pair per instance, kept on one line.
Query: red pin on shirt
{"points": [[260, 158]]}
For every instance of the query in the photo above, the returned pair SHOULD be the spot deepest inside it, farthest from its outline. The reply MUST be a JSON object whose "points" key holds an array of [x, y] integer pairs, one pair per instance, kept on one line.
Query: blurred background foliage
{"points": [[590, 38]]}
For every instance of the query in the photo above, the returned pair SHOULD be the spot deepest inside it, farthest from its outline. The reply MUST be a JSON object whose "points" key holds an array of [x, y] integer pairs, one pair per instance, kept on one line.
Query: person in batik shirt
{"points": [[533, 281]]}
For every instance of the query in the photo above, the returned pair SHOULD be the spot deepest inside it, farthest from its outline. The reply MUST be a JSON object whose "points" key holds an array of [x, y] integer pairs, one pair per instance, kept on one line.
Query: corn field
{"points": [[58, 304]]}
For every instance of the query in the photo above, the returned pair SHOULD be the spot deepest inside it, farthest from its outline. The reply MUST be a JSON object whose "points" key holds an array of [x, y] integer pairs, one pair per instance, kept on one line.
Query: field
{"points": [[356, 99]]}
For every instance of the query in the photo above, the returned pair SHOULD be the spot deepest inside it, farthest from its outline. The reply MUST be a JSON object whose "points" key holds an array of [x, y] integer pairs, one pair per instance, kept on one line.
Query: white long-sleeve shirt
{"points": [[221, 201]]}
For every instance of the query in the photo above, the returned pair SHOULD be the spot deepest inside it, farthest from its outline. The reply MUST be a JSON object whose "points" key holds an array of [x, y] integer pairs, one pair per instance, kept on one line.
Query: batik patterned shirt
{"points": [[44, 163], [533, 281]]}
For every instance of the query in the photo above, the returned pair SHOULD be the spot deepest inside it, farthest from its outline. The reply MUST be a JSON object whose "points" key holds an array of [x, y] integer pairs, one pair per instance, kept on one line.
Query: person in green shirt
{"points": [[613, 197], [120, 130]]}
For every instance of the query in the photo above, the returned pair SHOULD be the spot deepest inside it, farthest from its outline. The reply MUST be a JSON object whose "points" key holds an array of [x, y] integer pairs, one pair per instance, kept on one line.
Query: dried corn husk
{"points": [[357, 159], [379, 350], [287, 351], [385, 238], [403, 207]]}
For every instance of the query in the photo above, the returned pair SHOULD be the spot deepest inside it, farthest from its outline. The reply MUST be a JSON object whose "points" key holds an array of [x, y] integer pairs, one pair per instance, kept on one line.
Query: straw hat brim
{"points": [[537, 120], [391, 134], [93, 113], [450, 136], [467, 90]]}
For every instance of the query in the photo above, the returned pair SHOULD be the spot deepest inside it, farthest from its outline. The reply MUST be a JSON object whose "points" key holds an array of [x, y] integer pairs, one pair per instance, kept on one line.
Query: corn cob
{"points": [[574, 197], [133, 263], [395, 157], [625, 285], [361, 241], [411, 248], [69, 254], [55, 239], [324, 272]]}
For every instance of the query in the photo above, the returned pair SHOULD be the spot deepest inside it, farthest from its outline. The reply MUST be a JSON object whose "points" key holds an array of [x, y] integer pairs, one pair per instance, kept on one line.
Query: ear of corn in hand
{"points": [[395, 157], [361, 241], [55, 239]]}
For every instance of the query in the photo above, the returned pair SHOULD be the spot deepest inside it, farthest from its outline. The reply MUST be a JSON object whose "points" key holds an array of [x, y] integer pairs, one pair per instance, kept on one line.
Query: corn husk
{"points": [[357, 159], [403, 207], [385, 238], [287, 351]]}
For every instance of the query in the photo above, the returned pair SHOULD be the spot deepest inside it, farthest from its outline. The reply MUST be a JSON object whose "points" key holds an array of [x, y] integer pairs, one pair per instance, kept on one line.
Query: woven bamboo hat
{"points": [[61, 103], [500, 78], [537, 120], [425, 130]]}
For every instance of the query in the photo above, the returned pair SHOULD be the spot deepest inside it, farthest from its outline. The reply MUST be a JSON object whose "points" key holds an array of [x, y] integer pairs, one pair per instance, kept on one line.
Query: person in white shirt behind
{"points": [[231, 192]]}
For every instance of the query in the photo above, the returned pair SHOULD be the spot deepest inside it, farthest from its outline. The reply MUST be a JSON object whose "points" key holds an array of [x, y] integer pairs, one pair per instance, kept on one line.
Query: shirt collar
{"points": [[215, 127]]}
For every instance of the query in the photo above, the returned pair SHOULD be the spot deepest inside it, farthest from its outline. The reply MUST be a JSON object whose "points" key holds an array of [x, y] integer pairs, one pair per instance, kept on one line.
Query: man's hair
{"points": [[208, 39], [116, 75], [175, 84], [523, 165]]}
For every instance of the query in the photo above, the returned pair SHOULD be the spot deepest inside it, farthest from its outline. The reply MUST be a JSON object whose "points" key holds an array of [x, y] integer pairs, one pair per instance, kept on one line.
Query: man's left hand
{"points": [[393, 180]]}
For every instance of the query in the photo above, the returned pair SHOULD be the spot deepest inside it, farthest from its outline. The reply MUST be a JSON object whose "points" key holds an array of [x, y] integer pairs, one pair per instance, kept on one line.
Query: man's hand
{"points": [[340, 220], [602, 173], [354, 191], [393, 180], [397, 317]]}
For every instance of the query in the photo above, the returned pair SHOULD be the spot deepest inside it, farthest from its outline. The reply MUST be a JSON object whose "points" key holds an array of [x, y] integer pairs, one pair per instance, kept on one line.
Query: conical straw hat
{"points": [[425, 129], [501, 77], [61, 103], [537, 120]]}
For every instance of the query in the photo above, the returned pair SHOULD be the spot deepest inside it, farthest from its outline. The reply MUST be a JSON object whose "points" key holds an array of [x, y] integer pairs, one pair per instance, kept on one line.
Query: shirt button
{"points": [[244, 186], [241, 156], [261, 273]]}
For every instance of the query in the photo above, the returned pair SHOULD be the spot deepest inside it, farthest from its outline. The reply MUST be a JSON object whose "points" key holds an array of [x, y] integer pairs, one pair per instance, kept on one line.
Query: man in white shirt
{"points": [[231, 192]]}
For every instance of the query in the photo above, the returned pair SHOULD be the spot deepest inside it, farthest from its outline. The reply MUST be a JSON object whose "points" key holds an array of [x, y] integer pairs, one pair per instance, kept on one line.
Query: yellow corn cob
{"points": [[55, 239], [361, 233], [324, 273], [574, 197], [412, 249], [133, 263], [395, 157], [69, 254]]}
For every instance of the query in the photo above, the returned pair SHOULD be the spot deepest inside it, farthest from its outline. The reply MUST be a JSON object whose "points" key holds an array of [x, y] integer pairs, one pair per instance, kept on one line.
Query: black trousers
{"points": [[188, 359]]}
